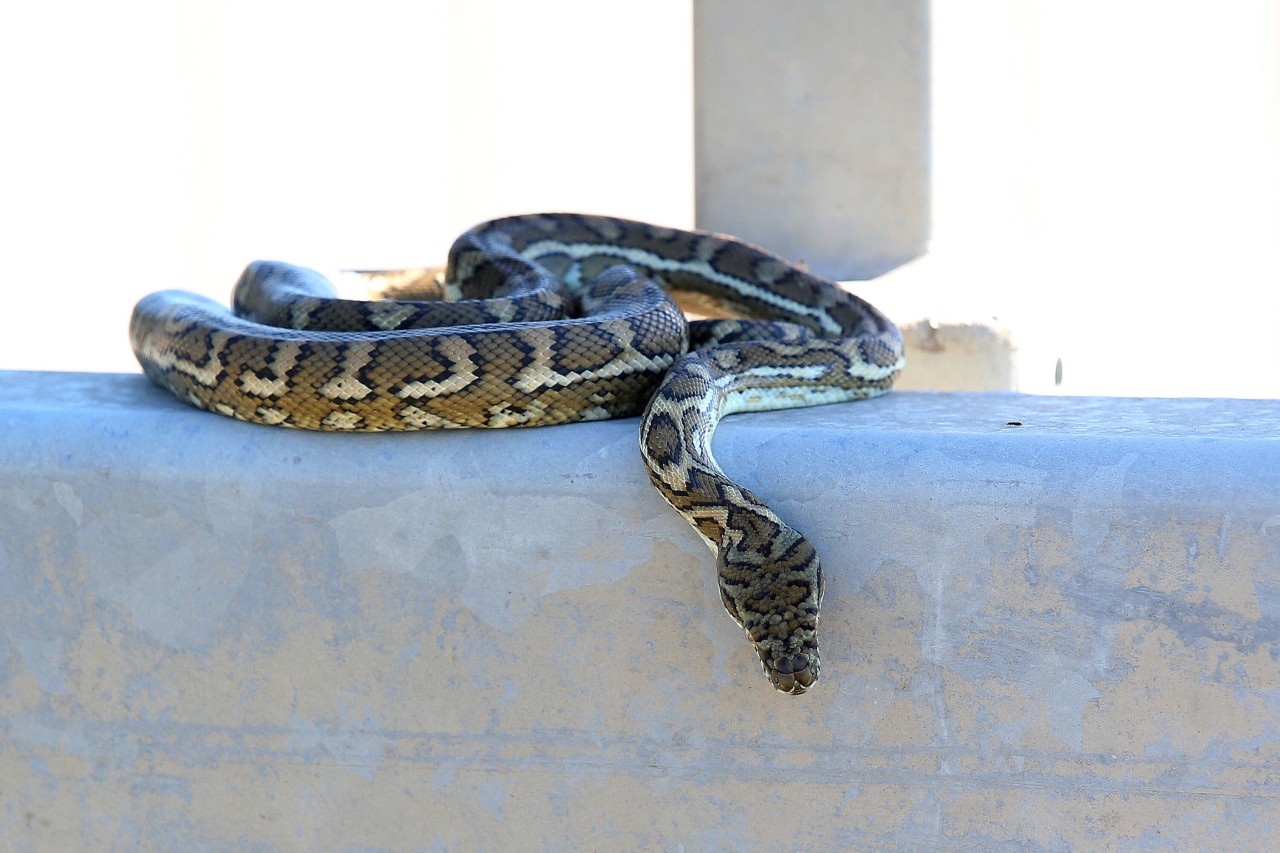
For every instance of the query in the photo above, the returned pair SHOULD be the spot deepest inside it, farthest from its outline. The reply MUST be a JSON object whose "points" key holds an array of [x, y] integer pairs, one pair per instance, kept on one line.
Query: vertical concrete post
{"points": [[811, 128]]}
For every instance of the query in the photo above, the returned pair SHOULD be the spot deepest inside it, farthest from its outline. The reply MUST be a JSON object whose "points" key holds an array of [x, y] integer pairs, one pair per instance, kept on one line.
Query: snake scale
{"points": [[553, 318]]}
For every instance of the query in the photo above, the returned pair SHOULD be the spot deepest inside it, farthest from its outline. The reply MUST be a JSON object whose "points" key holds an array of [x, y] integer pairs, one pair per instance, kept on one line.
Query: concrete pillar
{"points": [[812, 126]]}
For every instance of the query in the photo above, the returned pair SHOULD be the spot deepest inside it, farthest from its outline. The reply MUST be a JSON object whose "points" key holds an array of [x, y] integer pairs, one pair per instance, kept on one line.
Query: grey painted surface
{"points": [[1059, 635], [812, 128]]}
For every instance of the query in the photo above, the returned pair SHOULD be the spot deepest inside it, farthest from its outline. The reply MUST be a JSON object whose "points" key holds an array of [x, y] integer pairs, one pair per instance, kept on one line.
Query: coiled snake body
{"points": [[548, 319]]}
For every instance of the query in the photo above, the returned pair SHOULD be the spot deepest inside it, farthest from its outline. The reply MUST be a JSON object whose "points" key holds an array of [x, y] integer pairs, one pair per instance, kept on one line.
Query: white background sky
{"points": [[1108, 172], [1105, 171]]}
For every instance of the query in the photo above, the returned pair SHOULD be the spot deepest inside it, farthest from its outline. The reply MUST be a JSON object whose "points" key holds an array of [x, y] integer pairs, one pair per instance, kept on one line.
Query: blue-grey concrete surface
{"points": [[1050, 624]]}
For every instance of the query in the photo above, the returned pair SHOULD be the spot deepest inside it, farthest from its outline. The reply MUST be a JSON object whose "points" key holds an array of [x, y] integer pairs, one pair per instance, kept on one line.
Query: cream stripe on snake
{"points": [[549, 319]]}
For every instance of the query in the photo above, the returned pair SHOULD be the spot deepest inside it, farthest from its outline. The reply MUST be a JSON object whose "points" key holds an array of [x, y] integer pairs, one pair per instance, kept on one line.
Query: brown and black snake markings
{"points": [[548, 319]]}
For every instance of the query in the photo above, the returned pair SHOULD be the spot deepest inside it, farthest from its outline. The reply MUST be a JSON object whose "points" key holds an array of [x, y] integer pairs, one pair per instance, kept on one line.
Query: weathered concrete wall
{"points": [[812, 128], [1064, 634]]}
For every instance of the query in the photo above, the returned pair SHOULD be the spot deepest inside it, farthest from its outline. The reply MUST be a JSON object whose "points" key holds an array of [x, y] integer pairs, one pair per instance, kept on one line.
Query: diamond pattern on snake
{"points": [[555, 318]]}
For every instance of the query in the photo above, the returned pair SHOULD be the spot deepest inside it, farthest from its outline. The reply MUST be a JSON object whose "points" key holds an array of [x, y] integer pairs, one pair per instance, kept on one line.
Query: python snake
{"points": [[553, 318]]}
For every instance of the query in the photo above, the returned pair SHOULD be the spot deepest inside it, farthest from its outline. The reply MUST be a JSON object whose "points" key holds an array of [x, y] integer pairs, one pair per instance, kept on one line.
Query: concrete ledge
{"points": [[1058, 634]]}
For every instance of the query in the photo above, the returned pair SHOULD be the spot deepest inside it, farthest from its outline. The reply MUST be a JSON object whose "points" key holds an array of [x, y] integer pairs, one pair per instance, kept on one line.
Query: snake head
{"points": [[773, 589]]}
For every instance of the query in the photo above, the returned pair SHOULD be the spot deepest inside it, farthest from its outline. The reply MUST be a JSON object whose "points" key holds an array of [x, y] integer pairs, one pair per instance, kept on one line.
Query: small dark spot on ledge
{"points": [[1014, 423]]}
